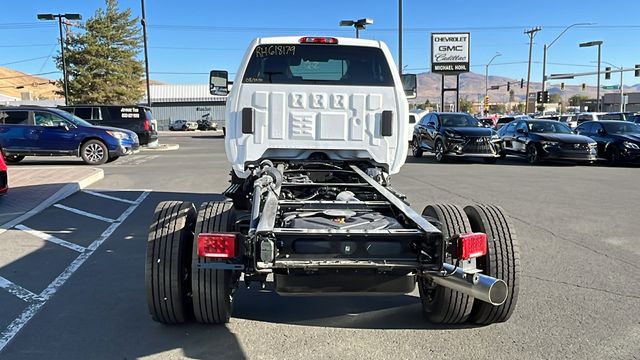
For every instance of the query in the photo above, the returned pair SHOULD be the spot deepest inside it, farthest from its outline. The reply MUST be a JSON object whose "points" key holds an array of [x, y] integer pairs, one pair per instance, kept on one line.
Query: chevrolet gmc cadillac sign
{"points": [[450, 53]]}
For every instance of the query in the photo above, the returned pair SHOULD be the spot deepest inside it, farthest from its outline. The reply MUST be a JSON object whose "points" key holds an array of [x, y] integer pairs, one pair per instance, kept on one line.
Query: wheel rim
{"points": [[414, 146], [439, 151], [94, 153], [532, 154], [613, 157]]}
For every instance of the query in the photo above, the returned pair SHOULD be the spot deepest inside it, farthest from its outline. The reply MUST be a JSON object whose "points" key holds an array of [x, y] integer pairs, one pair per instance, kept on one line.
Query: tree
{"points": [[576, 99], [102, 61], [555, 98], [512, 96], [465, 105]]}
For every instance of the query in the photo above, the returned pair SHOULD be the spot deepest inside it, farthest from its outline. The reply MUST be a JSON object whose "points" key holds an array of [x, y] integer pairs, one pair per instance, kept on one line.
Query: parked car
{"points": [[414, 117], [570, 119], [455, 135], [635, 119], [183, 125], [617, 116], [538, 140], [39, 131], [136, 118], [4, 177], [507, 119], [205, 125], [618, 141], [588, 116], [487, 121]]}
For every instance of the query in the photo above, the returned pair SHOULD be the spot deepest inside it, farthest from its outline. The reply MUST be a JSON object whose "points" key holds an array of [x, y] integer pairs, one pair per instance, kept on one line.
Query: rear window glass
{"points": [[318, 64], [14, 117]]}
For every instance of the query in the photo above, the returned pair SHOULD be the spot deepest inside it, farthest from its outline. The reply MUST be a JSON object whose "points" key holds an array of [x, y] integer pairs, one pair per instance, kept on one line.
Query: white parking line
{"points": [[19, 291], [18, 323], [51, 238], [105, 196], [84, 213]]}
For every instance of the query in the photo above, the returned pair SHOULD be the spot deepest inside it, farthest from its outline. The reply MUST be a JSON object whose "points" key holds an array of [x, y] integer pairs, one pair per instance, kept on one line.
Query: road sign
{"points": [[611, 87]]}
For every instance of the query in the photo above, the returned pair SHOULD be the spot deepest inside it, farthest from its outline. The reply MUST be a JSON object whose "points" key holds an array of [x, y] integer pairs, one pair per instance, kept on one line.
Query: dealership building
{"points": [[171, 102]]}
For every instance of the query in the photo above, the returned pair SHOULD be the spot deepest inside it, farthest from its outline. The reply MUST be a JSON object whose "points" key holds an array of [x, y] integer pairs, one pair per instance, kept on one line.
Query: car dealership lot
{"points": [[577, 228]]}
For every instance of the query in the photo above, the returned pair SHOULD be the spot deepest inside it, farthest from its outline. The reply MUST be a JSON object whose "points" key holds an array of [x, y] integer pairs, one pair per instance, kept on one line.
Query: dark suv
{"points": [[40, 131], [456, 135], [136, 118]]}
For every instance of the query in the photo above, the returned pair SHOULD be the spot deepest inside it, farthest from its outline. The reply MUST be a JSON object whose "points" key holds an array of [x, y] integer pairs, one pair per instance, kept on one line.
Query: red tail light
{"points": [[221, 246], [147, 125], [472, 245], [318, 40]]}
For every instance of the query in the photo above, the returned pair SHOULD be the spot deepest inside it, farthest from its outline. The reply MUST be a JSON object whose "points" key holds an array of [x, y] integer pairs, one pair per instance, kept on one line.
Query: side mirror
{"points": [[63, 125], [219, 82], [431, 125], [520, 131], [410, 85], [601, 132]]}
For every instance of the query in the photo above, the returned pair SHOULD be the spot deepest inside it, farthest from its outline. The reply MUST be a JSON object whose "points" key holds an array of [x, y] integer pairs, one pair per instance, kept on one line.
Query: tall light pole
{"points": [[486, 74], [546, 48], [400, 36], [531, 33], [358, 24], [143, 21], [65, 79], [599, 45]]}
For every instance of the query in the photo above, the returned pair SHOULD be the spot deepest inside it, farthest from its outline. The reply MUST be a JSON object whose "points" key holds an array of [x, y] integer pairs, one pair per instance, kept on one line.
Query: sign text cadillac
{"points": [[450, 53]]}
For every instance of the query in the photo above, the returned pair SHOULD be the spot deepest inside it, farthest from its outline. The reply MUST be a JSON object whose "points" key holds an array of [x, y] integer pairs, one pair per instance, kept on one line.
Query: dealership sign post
{"points": [[450, 56]]}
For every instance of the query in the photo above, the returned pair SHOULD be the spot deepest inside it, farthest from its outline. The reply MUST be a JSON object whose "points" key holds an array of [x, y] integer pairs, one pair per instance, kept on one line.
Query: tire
{"points": [[503, 155], [502, 260], [438, 150], [184, 128], [533, 154], [213, 289], [13, 159], [613, 156], [113, 158], [224, 131], [94, 152], [168, 262], [416, 151], [441, 305], [490, 160]]}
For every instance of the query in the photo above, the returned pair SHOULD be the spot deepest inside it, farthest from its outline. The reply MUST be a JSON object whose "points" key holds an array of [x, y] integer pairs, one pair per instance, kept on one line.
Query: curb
{"points": [[66, 191], [162, 147]]}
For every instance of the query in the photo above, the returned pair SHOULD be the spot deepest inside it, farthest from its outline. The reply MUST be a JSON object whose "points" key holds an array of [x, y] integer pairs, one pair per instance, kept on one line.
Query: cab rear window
{"points": [[318, 64]]}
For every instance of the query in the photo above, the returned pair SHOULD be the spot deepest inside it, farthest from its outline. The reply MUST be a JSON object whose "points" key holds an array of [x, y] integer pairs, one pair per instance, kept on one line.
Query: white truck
{"points": [[315, 128]]}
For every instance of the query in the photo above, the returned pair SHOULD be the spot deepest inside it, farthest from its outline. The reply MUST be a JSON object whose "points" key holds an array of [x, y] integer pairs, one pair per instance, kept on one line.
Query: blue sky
{"points": [[191, 37]]}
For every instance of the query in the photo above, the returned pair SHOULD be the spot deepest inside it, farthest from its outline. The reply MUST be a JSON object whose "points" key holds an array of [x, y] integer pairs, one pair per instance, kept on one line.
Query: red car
{"points": [[4, 179]]}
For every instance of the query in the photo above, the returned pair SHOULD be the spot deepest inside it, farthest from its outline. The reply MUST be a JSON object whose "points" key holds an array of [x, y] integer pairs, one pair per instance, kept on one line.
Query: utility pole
{"points": [[599, 45], [400, 36], [143, 21], [531, 33]]}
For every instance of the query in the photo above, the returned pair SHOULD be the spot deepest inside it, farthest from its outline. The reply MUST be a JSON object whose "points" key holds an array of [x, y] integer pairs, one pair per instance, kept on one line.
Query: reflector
{"points": [[217, 245], [472, 245]]}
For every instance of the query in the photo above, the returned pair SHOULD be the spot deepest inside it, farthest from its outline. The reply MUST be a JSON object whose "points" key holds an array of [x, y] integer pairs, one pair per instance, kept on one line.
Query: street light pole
{"points": [[358, 24], [65, 79], [400, 36], [146, 55], [546, 48], [599, 45], [486, 74]]}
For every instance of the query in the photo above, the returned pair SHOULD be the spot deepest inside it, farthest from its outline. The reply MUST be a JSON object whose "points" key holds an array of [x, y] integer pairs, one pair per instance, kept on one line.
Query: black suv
{"points": [[131, 117], [455, 135], [618, 141]]}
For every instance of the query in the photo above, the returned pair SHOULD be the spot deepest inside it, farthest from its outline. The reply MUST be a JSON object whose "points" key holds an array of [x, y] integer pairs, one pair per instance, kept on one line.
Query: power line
{"points": [[193, 48], [25, 45], [24, 60], [27, 75]]}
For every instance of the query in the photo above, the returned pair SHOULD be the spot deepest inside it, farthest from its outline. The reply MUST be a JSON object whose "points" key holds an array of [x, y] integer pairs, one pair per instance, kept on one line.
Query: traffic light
{"points": [[521, 83], [607, 73], [542, 97], [637, 72], [508, 86], [584, 86], [562, 86]]}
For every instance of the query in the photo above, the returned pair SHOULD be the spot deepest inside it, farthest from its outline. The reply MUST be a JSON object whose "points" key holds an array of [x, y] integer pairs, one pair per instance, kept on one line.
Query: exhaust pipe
{"points": [[482, 287]]}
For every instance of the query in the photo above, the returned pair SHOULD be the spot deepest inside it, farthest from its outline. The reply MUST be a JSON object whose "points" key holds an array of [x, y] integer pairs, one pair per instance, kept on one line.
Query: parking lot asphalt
{"points": [[579, 297]]}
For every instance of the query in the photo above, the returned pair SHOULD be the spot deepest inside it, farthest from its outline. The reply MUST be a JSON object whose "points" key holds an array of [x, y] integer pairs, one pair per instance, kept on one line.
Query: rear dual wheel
{"points": [[445, 306]]}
